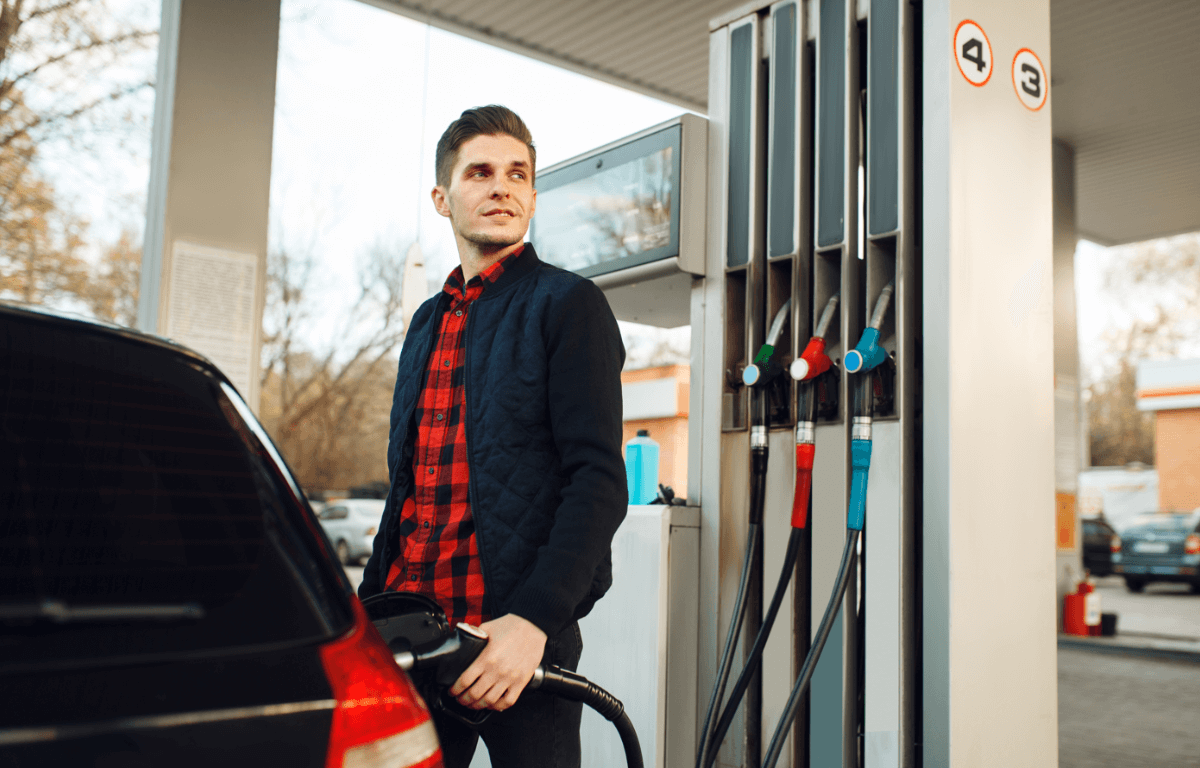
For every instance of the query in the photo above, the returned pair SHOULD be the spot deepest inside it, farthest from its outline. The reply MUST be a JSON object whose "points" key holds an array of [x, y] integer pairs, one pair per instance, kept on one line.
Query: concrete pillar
{"points": [[1069, 424], [989, 664], [204, 259]]}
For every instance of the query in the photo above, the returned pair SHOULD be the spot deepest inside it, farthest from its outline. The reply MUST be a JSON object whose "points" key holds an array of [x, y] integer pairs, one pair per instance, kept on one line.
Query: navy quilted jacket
{"points": [[543, 424]]}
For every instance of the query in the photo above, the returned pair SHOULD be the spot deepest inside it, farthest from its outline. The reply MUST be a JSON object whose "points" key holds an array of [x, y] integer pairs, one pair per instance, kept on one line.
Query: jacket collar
{"points": [[526, 262]]}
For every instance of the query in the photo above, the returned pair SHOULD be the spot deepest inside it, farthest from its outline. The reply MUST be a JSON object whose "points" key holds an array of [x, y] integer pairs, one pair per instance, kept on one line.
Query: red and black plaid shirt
{"points": [[439, 556]]}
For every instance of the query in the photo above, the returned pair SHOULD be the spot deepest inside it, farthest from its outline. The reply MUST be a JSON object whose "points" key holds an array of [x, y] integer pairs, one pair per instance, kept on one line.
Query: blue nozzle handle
{"points": [[860, 465], [867, 355]]}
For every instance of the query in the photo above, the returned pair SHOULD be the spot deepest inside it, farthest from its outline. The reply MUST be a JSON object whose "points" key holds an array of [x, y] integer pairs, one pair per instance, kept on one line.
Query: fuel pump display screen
{"points": [[613, 210]]}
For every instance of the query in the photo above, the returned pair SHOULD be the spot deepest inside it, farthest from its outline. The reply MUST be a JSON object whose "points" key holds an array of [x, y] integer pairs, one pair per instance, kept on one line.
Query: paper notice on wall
{"points": [[212, 307], [1066, 433]]}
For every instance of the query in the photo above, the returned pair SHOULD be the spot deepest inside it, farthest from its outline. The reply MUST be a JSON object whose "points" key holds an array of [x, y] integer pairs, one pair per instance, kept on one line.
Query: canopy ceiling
{"points": [[1125, 78]]}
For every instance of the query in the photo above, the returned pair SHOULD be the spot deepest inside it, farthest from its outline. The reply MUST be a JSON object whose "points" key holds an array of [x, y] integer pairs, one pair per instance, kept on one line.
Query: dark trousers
{"points": [[539, 731]]}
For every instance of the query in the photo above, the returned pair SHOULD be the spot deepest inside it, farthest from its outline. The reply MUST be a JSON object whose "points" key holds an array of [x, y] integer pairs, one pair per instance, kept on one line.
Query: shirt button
{"points": [[413, 577], [458, 313], [439, 417], [446, 363], [426, 523], [431, 470]]}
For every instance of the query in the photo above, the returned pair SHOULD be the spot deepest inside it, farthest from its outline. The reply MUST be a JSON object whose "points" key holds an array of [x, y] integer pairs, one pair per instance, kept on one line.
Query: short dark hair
{"points": [[492, 120]]}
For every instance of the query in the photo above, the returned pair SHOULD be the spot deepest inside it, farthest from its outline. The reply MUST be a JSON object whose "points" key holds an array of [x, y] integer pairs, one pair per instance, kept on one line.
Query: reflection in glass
{"points": [[623, 211]]}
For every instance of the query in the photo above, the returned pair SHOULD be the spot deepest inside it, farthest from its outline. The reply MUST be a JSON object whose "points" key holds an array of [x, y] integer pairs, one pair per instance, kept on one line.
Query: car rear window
{"points": [[128, 478], [1165, 521]]}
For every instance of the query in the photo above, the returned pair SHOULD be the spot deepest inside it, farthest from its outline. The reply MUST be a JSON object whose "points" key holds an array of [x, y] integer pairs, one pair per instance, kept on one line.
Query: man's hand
{"points": [[495, 679]]}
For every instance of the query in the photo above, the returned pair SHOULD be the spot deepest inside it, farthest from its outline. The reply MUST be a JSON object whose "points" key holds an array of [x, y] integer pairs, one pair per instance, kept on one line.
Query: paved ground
{"points": [[1127, 712], [1166, 610]]}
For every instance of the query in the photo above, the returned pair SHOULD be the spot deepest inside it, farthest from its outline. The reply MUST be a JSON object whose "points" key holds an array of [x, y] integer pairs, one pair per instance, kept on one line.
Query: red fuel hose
{"points": [[805, 452]]}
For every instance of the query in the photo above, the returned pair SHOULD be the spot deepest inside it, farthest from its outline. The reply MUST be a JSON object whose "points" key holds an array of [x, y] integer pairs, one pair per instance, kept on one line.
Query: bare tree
{"points": [[50, 53], [40, 243], [112, 290], [64, 79], [1120, 433], [328, 409]]}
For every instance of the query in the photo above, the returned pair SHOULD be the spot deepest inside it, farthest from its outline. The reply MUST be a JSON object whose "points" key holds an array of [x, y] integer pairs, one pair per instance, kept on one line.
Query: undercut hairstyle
{"points": [[492, 120]]}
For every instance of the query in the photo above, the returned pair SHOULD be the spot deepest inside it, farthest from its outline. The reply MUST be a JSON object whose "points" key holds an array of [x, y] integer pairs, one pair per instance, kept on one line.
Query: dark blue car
{"points": [[1159, 546]]}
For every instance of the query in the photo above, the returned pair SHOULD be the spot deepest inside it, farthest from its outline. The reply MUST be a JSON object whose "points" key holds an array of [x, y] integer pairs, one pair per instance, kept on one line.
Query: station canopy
{"points": [[1125, 84]]}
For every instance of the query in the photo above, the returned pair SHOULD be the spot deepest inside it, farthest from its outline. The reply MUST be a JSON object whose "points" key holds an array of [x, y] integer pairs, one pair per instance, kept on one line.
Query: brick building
{"points": [[1171, 388], [656, 399]]}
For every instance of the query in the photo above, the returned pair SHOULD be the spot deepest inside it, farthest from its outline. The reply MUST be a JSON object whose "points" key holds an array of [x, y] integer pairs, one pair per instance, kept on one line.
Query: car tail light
{"points": [[1114, 544], [1191, 544], [379, 719]]}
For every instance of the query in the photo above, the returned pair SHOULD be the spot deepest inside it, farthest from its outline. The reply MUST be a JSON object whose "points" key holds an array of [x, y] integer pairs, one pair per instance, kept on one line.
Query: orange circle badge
{"points": [[973, 52], [1029, 79]]}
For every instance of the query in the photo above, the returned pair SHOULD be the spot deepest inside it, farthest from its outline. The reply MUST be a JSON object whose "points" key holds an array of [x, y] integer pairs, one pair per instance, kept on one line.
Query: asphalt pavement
{"points": [[1121, 711], [1163, 610]]}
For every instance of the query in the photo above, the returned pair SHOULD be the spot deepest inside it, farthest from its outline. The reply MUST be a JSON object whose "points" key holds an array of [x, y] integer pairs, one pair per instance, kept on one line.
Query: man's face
{"points": [[491, 198]]}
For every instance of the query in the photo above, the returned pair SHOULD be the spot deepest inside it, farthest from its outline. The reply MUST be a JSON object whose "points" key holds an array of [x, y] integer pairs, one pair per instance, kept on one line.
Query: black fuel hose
{"points": [[568, 685], [814, 653], [735, 627], [454, 654], [760, 642]]}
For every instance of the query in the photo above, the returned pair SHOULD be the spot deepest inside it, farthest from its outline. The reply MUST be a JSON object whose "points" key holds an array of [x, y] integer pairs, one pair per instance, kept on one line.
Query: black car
{"points": [[1160, 546], [167, 597], [1098, 538]]}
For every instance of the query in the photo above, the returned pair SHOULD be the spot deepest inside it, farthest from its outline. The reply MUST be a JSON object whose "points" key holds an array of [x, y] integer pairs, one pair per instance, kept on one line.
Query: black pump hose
{"points": [[568, 685], [760, 642], [814, 653], [735, 626]]}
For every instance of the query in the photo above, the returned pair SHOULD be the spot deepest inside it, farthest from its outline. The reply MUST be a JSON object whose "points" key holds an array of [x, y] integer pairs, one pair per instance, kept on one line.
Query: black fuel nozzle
{"points": [[767, 364], [449, 659]]}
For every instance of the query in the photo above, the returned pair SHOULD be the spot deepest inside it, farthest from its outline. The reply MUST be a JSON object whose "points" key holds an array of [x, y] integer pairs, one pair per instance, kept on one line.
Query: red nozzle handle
{"points": [[804, 464], [814, 355]]}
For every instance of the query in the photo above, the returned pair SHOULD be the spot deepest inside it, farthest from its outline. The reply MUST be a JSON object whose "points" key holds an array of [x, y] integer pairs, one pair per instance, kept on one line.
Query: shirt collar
{"points": [[454, 283]]}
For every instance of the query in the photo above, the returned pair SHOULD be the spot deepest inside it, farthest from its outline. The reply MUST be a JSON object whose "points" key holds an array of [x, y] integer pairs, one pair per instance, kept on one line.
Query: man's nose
{"points": [[499, 186]]}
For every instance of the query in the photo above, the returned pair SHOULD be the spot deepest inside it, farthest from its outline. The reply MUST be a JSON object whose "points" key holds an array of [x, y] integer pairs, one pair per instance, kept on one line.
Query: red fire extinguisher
{"points": [[1081, 611]]}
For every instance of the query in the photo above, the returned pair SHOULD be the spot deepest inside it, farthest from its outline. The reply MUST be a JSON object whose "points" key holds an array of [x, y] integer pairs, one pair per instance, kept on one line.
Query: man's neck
{"points": [[475, 260]]}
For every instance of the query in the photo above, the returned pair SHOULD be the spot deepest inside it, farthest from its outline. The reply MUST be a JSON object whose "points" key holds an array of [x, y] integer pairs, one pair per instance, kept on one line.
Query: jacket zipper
{"points": [[471, 494]]}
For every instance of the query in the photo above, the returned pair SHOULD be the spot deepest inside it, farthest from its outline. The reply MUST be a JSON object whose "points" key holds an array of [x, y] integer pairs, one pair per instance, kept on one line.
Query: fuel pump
{"points": [[868, 355], [804, 369]]}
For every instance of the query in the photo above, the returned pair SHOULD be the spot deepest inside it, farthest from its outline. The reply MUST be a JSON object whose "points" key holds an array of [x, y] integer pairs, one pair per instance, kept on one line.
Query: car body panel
{"points": [[165, 589], [1153, 549], [357, 528], [1097, 546]]}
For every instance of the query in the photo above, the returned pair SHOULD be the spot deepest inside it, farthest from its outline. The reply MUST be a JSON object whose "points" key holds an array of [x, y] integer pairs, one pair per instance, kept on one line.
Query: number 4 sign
{"points": [[1029, 79], [973, 51]]}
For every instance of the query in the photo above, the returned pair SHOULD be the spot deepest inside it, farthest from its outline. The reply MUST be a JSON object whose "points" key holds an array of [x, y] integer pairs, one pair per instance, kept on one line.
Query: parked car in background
{"points": [[166, 595], [351, 525], [1098, 538], [1159, 546]]}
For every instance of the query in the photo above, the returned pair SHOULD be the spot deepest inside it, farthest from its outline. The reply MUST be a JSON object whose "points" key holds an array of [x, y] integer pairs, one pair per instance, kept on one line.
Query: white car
{"points": [[351, 525]]}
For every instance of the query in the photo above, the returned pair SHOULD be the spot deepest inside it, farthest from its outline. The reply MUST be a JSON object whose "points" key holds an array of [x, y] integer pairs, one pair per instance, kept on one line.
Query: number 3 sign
{"points": [[973, 51], [1029, 79]]}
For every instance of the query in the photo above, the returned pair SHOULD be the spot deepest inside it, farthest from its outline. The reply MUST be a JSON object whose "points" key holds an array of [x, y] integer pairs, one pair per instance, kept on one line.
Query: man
{"points": [[507, 482]]}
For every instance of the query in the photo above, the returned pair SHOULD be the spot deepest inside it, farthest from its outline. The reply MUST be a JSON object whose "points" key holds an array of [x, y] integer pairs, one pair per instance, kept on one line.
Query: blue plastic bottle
{"points": [[641, 468]]}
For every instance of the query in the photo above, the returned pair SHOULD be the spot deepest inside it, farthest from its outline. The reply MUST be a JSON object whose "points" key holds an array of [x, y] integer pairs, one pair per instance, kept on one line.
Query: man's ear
{"points": [[440, 202], [533, 204]]}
